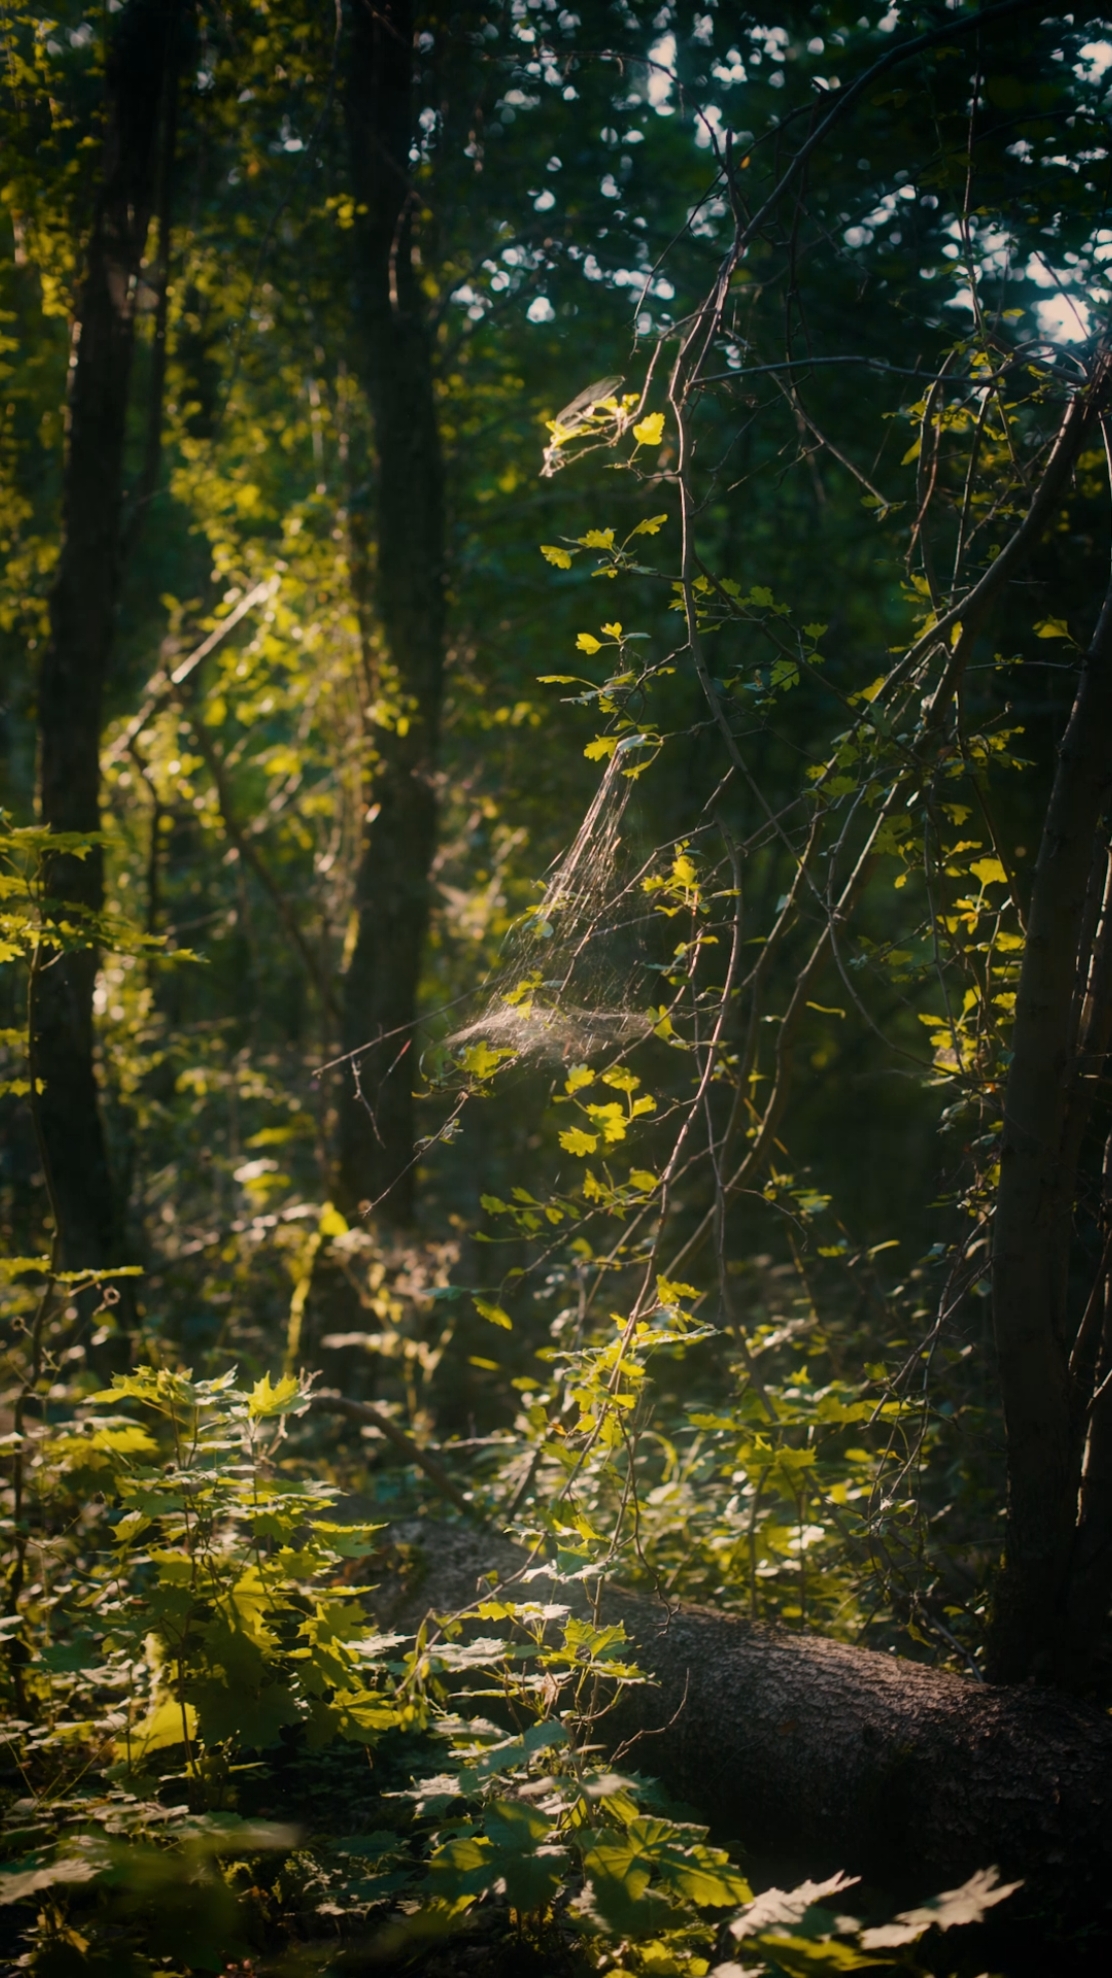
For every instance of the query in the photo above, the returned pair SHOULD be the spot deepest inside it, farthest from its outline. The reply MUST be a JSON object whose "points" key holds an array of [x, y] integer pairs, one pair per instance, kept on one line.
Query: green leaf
{"points": [[705, 1876], [465, 1866], [618, 1897], [969, 1904], [808, 1957], [532, 1879], [16, 1885]]}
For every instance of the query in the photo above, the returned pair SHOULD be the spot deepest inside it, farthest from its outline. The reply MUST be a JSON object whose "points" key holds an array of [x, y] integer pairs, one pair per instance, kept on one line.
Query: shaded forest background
{"points": [[284, 639]]}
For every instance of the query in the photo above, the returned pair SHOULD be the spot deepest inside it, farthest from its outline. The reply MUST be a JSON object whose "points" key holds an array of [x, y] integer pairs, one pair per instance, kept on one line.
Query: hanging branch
{"points": [[251, 856]]}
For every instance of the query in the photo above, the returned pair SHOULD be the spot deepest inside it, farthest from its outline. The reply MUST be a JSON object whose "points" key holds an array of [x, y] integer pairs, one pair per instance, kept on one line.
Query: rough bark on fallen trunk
{"points": [[836, 1755]]}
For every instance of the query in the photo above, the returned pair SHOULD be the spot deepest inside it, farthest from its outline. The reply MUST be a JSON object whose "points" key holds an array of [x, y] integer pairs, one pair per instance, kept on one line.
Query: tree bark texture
{"points": [[395, 361], [1052, 1598], [83, 603], [837, 1756]]}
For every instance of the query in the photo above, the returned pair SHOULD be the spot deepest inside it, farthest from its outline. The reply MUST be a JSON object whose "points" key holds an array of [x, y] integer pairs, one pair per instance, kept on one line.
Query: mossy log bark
{"points": [[837, 1756]]}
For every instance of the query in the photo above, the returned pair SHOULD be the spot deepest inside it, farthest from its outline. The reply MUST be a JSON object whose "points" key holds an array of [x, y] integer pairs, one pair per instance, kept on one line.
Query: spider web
{"points": [[566, 991]]}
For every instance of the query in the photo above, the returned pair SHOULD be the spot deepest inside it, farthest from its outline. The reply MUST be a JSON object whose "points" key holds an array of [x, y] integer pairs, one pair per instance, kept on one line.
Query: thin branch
{"points": [[365, 1411]]}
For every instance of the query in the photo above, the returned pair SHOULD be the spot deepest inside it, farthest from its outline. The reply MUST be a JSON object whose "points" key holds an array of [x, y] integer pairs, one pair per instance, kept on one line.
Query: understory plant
{"points": [[202, 1644]]}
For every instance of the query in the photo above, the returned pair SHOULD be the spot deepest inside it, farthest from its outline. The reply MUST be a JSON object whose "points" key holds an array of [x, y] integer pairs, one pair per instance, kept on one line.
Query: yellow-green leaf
{"points": [[494, 1314], [483, 1059], [622, 1079], [870, 692], [670, 1291], [990, 872], [169, 1723], [598, 539], [554, 554], [612, 1121], [1052, 628], [575, 1141], [265, 1400], [578, 1077], [651, 526], [650, 431], [586, 642]]}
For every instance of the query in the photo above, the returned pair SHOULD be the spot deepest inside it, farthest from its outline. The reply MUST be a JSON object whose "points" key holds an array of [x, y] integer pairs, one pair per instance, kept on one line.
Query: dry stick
{"points": [[926, 479], [249, 852], [666, 1180], [967, 615], [979, 781], [793, 1016], [365, 1411], [686, 376], [160, 687], [1080, 415], [755, 1380], [967, 492], [846, 100], [1091, 1029], [1020, 356], [1074, 427], [707, 320], [791, 393], [683, 381]]}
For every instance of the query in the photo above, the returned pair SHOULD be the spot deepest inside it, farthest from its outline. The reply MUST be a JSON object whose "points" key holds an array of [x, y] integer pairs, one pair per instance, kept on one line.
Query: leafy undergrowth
{"points": [[216, 1762]]}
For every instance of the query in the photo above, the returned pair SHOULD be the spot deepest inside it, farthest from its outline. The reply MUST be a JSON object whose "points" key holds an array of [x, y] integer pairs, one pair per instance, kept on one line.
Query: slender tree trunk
{"points": [[82, 615], [1046, 1622], [395, 359]]}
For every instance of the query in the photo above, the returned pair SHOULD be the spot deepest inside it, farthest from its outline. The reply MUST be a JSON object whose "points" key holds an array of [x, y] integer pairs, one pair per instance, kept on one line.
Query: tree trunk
{"points": [[1051, 1602], [395, 360], [839, 1757], [82, 620]]}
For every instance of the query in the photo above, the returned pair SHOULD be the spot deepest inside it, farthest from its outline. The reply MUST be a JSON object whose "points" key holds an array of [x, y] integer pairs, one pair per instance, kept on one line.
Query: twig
{"points": [[160, 687], [365, 1411]]}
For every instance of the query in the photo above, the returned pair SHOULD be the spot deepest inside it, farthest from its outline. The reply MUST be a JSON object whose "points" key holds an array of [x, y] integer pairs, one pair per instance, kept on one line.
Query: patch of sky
{"points": [[1094, 58], [661, 75]]}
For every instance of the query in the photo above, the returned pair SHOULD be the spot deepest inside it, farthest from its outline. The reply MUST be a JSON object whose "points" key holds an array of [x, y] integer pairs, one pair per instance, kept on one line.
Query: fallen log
{"points": [[834, 1755]]}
